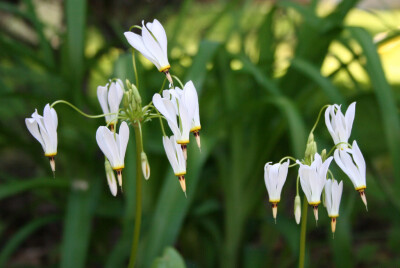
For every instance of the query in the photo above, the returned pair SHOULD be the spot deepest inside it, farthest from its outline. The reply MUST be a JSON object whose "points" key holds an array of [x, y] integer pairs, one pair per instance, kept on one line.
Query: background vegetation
{"points": [[262, 71]]}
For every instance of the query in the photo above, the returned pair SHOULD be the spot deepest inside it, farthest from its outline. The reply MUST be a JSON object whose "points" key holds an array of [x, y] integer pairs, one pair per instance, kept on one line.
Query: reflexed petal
{"points": [[33, 128], [123, 138], [102, 96], [158, 31], [50, 127], [359, 160], [108, 145], [154, 47], [350, 113], [170, 152], [283, 171], [328, 196], [136, 41]]}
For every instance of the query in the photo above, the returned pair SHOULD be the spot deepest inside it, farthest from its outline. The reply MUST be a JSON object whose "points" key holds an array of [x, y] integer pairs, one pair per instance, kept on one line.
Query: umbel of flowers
{"points": [[177, 105], [314, 174]]}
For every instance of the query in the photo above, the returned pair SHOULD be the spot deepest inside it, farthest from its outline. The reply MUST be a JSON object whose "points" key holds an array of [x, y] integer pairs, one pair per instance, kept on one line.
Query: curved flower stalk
{"points": [[110, 97], [171, 106], [274, 177], [176, 159], [113, 147], [333, 194], [339, 125], [313, 179], [44, 130], [152, 44], [352, 162]]}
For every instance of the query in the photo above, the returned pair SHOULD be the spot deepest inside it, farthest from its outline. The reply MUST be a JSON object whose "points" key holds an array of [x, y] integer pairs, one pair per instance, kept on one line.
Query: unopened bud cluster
{"points": [[314, 175]]}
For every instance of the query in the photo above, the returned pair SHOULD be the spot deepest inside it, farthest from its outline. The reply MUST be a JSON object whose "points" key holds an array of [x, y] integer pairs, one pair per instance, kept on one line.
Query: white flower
{"points": [[170, 105], [44, 129], [112, 183], [312, 180], [274, 177], [339, 125], [110, 97], [113, 146], [333, 194], [191, 101], [176, 159], [152, 44], [352, 162]]}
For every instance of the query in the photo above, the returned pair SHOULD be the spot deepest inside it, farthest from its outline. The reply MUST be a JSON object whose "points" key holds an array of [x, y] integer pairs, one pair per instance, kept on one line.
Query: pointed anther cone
{"points": [[274, 210], [333, 224], [53, 165], [184, 150], [168, 75], [183, 183], [197, 136], [363, 198], [119, 176], [316, 212]]}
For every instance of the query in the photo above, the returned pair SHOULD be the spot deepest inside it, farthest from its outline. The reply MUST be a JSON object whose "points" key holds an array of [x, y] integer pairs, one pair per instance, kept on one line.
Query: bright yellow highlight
{"points": [[197, 128], [314, 203], [180, 174], [165, 68], [118, 168], [274, 200], [361, 188], [182, 142], [51, 154]]}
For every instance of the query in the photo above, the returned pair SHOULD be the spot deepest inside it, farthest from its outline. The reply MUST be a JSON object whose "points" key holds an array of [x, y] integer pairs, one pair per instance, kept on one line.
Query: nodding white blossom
{"points": [[339, 125], [110, 97], [176, 159], [191, 101], [113, 146], [313, 179], [171, 106], [352, 162], [112, 182], [152, 44], [274, 177], [175, 155], [44, 130], [333, 194]]}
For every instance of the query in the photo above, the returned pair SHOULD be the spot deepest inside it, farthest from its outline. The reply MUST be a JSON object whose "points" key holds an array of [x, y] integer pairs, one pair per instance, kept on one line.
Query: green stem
{"points": [[319, 116], [302, 250], [138, 214], [78, 110], [287, 157], [177, 79], [135, 69], [336, 145]]}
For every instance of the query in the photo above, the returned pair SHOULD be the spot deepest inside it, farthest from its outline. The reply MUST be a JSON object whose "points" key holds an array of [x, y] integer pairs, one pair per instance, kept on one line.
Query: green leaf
{"points": [[170, 259]]}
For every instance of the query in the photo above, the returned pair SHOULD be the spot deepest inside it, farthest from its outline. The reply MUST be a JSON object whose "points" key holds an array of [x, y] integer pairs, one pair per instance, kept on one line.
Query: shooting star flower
{"points": [[274, 177], [191, 101], [339, 125], [176, 159], [333, 194], [110, 97], [352, 162], [113, 146], [44, 129], [312, 180], [152, 44]]}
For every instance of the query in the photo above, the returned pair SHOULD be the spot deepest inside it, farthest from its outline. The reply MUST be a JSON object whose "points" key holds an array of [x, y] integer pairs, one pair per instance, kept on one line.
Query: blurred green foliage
{"points": [[262, 72]]}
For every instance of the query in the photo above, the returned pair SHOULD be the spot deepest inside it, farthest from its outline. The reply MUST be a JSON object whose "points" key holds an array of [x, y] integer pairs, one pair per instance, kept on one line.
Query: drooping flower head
{"points": [[352, 162], [152, 44], [333, 194], [339, 125], [113, 146], [313, 179], [274, 177], [176, 159], [110, 97], [44, 130], [191, 101]]}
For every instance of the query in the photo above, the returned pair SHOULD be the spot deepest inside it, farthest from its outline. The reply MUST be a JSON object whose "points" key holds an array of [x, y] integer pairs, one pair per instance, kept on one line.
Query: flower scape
{"points": [[314, 175]]}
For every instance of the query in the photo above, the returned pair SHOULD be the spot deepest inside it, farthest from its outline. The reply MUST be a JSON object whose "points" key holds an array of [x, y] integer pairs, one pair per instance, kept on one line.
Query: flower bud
{"points": [[145, 165], [311, 148], [127, 100], [136, 96], [297, 209], [323, 155], [112, 182]]}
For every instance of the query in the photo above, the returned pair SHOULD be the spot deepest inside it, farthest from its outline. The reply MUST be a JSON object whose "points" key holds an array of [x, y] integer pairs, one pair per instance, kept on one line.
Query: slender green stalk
{"points": [[319, 116], [135, 69], [138, 214], [78, 110], [302, 250], [288, 157]]}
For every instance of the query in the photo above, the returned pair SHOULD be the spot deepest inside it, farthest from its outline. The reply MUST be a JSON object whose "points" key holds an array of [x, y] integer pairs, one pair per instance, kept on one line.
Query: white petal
{"points": [[102, 96], [328, 196], [51, 128], [123, 139], [170, 152], [190, 99], [33, 128], [106, 141], [283, 171], [154, 47], [136, 42], [360, 162], [350, 113], [158, 31]]}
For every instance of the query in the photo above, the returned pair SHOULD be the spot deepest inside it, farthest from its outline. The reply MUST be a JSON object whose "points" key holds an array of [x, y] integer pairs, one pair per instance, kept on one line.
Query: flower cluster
{"points": [[314, 175], [178, 106]]}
